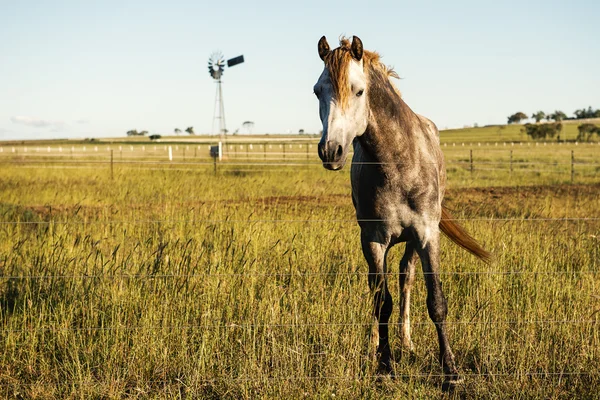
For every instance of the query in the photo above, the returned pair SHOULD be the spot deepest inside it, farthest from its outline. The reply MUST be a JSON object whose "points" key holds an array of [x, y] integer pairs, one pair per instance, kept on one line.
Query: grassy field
{"points": [[169, 280]]}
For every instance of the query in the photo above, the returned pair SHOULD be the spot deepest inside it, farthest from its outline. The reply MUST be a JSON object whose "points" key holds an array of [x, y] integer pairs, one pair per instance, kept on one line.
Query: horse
{"points": [[398, 180]]}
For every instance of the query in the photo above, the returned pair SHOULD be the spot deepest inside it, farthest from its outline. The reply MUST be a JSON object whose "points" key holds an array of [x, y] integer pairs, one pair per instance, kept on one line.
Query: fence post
{"points": [[265, 150], [184, 154], [247, 156], [112, 176], [511, 159], [307, 156], [572, 166], [284, 151], [471, 159]]}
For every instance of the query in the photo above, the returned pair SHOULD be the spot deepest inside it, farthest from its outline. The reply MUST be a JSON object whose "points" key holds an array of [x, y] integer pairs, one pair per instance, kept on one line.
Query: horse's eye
{"points": [[360, 93]]}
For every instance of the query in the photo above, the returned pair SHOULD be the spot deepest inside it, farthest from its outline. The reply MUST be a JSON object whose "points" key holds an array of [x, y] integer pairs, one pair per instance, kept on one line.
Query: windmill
{"points": [[216, 68]]}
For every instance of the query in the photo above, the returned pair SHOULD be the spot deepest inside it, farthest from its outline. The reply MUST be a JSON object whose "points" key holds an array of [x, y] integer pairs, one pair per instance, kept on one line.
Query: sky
{"points": [[83, 69]]}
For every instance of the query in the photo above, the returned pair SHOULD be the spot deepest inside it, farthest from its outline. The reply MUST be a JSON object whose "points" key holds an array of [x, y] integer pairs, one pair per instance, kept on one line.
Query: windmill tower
{"points": [[216, 68]]}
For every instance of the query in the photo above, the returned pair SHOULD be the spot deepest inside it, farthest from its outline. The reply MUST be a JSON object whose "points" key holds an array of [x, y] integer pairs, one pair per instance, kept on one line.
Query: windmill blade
{"points": [[235, 61]]}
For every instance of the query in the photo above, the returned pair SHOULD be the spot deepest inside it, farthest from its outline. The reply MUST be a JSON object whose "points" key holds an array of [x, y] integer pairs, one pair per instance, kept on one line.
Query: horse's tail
{"points": [[461, 237]]}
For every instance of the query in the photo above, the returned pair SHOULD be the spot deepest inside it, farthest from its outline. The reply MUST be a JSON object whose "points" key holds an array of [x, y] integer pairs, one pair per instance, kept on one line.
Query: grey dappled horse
{"points": [[398, 179]]}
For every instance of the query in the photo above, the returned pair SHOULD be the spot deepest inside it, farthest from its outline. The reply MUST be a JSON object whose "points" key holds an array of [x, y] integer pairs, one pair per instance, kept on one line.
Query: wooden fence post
{"points": [[471, 159], [572, 166], [112, 176]]}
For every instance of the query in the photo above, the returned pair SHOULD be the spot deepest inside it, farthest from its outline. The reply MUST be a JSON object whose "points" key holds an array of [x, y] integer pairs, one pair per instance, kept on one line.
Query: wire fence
{"points": [[256, 151], [255, 161]]}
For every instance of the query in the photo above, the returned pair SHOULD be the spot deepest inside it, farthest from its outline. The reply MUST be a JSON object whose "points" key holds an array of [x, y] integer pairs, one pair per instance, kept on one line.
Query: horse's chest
{"points": [[375, 196]]}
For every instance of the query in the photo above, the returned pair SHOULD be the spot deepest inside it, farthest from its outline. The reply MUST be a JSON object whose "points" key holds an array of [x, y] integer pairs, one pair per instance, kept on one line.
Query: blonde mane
{"points": [[337, 62]]}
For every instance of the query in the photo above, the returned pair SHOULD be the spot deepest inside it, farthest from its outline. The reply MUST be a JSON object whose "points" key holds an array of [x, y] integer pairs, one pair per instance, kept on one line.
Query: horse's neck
{"points": [[389, 137]]}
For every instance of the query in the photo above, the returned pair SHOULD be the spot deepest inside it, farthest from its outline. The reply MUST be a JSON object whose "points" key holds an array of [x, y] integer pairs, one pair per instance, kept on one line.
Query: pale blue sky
{"points": [[97, 69]]}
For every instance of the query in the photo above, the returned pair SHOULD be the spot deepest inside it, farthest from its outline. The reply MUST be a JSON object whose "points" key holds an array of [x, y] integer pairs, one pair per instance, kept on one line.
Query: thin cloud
{"points": [[37, 122], [83, 121]]}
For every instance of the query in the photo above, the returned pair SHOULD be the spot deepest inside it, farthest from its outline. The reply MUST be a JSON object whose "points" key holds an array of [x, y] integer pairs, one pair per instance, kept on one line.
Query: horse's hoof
{"points": [[384, 373], [407, 352], [452, 383]]}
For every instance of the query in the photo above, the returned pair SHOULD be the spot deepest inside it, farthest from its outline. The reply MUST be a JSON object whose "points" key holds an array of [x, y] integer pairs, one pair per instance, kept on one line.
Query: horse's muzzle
{"points": [[332, 154]]}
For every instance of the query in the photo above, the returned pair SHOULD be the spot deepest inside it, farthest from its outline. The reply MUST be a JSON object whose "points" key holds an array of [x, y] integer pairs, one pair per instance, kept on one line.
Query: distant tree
{"points": [[154, 137], [517, 117], [586, 131], [177, 131], [587, 113], [538, 116], [558, 116], [542, 131], [134, 132], [301, 131], [190, 130]]}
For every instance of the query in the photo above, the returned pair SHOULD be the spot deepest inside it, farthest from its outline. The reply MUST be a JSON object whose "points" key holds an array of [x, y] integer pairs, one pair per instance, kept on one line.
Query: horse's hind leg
{"points": [[375, 253], [436, 304], [407, 277]]}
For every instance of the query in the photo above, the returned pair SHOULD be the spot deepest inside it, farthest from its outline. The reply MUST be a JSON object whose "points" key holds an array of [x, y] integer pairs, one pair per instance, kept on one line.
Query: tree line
{"points": [[551, 130], [177, 131], [556, 116], [543, 131]]}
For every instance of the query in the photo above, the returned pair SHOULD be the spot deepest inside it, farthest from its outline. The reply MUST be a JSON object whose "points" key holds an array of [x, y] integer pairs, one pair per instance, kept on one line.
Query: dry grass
{"points": [[181, 284]]}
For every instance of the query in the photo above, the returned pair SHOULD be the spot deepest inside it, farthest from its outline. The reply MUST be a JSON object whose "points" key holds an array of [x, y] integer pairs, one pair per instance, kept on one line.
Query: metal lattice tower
{"points": [[219, 113]]}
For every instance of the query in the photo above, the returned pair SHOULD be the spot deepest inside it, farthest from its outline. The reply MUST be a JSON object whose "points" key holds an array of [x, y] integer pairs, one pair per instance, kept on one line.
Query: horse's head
{"points": [[341, 90]]}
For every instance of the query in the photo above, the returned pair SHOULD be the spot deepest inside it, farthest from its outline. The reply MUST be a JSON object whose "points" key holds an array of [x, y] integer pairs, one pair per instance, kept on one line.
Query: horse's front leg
{"points": [[375, 253], [429, 252]]}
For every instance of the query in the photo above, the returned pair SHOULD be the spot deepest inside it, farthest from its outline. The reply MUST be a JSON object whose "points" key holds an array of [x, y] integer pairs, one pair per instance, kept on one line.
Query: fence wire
{"points": [[295, 221], [294, 162], [290, 325], [370, 377], [116, 277]]}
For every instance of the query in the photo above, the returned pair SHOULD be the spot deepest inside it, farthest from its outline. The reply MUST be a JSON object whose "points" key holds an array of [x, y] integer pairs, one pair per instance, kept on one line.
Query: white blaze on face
{"points": [[343, 125]]}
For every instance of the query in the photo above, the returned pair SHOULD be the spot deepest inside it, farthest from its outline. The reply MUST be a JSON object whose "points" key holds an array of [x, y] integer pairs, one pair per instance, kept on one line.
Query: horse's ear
{"points": [[323, 48], [357, 48]]}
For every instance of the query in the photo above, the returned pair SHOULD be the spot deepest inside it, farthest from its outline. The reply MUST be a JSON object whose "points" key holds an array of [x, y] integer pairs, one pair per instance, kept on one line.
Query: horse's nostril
{"points": [[339, 151]]}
